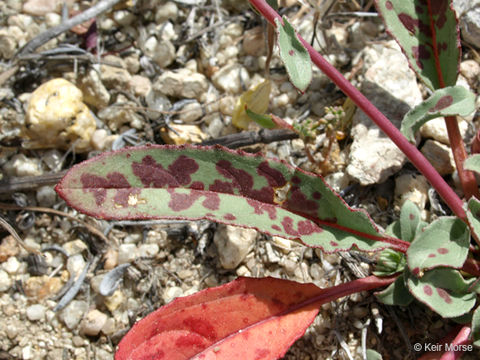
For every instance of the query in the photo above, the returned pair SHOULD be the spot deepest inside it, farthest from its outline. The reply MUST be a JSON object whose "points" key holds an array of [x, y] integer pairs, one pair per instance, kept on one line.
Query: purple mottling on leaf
{"points": [[98, 185], [444, 295], [409, 22], [442, 103], [152, 174]]}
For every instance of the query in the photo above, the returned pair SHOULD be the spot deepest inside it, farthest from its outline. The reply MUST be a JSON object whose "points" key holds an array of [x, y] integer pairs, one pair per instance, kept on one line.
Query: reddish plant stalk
{"points": [[348, 288], [412, 153]]}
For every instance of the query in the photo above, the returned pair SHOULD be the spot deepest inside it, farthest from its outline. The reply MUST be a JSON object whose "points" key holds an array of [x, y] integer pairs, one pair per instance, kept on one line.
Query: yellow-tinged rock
{"points": [[113, 302], [57, 117], [186, 134], [256, 99], [40, 287]]}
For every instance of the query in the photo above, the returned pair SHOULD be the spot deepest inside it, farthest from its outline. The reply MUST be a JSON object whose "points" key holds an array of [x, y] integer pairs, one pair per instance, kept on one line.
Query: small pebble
{"points": [[93, 323], [233, 244], [172, 293], [75, 265], [113, 302], [5, 280], [73, 313], [75, 247], [36, 312], [127, 253], [148, 250], [46, 196]]}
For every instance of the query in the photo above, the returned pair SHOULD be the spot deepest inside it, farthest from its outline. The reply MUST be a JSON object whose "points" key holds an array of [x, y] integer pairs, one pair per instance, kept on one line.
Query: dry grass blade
{"points": [[4, 223]]}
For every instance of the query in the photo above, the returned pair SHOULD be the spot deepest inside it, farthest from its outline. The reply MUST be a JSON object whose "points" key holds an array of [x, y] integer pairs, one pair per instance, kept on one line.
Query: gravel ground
{"points": [[172, 72]]}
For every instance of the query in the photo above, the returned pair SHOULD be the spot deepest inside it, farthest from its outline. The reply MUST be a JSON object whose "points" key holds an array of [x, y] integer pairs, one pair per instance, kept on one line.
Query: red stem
{"points": [[345, 289], [415, 156]]}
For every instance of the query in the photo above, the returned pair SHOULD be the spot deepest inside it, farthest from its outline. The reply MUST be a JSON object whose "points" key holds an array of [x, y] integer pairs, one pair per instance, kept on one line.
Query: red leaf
{"points": [[245, 319]]}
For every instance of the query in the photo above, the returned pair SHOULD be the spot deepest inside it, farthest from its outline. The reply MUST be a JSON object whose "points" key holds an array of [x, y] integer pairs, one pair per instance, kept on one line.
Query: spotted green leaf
{"points": [[476, 327], [410, 221], [294, 55], [472, 163], [442, 290], [444, 242], [427, 32], [473, 215], [450, 101], [396, 293], [217, 184]]}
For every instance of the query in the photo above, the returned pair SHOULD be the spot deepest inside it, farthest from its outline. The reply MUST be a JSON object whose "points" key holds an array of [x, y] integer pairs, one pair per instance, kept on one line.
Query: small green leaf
{"points": [[442, 243], [450, 101], [476, 327], [389, 262], [396, 293], [294, 55], [473, 215], [472, 163], [442, 290], [264, 121], [410, 221], [427, 32], [393, 229], [373, 355]]}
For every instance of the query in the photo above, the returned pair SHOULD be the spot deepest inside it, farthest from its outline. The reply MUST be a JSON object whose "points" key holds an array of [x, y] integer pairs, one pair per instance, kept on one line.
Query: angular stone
{"points": [[73, 313], [233, 244], [57, 116], [93, 323], [36, 312], [391, 86], [440, 156]]}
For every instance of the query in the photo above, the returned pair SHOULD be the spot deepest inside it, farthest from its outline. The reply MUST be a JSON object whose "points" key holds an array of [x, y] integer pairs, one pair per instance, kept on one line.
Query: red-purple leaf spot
{"points": [[409, 22], [389, 5], [333, 243], [416, 271], [420, 53], [439, 8], [442, 251], [442, 103], [98, 185], [291, 52], [431, 255], [299, 202], [212, 201], [276, 227], [305, 227], [444, 295], [152, 174], [200, 326], [229, 217], [427, 289], [259, 208], [181, 202], [411, 216]]}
